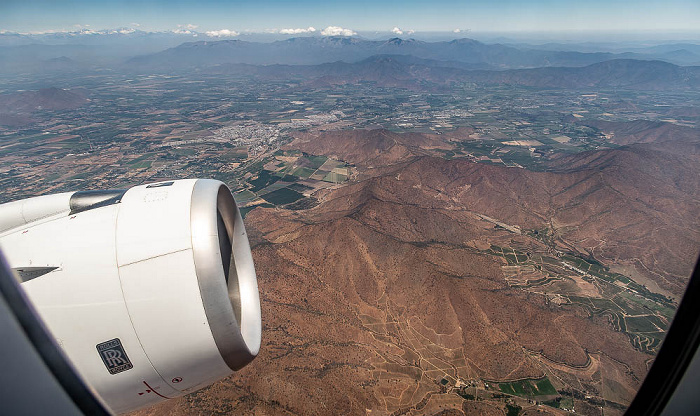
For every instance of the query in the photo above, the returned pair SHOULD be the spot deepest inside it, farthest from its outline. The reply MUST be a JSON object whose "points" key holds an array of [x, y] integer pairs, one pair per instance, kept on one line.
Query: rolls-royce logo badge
{"points": [[113, 355]]}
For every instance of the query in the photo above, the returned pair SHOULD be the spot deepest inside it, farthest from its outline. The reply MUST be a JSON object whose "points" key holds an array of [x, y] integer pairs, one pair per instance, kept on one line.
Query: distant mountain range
{"points": [[17, 109], [618, 73], [412, 64], [680, 52], [318, 50], [424, 74], [126, 49]]}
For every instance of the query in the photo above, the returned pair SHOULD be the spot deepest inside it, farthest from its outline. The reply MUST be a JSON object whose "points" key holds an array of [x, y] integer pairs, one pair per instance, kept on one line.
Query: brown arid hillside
{"points": [[418, 290], [370, 149], [629, 206], [644, 131]]}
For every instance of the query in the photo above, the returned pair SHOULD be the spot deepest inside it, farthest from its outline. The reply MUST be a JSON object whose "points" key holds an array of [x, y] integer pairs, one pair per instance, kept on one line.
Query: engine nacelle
{"points": [[151, 292]]}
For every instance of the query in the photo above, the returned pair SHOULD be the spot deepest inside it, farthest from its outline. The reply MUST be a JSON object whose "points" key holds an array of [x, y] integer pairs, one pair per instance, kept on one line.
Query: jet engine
{"points": [[150, 292]]}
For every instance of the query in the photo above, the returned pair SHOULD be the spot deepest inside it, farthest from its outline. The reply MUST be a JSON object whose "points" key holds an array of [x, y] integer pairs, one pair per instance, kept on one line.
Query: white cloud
{"points": [[223, 33], [185, 29], [410, 32], [337, 31], [396, 30], [310, 29], [456, 31], [135, 24]]}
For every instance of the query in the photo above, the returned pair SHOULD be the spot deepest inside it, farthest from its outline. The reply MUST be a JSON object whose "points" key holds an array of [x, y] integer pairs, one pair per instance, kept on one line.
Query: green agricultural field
{"points": [[264, 179], [244, 196], [316, 161], [299, 187], [664, 310], [630, 306], [529, 387], [282, 196], [319, 175], [303, 172], [640, 324], [332, 164], [273, 187], [545, 387], [506, 388], [335, 177], [523, 388]]}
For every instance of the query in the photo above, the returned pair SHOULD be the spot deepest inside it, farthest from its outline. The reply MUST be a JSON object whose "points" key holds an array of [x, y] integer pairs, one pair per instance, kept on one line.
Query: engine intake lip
{"points": [[230, 298]]}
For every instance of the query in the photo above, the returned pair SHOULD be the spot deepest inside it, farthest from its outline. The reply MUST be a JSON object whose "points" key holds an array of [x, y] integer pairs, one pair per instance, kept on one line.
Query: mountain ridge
{"points": [[407, 71], [313, 50], [386, 286]]}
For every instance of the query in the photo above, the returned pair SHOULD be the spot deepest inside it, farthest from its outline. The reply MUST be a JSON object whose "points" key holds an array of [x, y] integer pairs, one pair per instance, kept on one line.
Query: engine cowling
{"points": [[151, 292]]}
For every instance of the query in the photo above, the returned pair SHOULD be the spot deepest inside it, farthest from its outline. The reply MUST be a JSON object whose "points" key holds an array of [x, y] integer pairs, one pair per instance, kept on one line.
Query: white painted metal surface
{"points": [[127, 271], [18, 213]]}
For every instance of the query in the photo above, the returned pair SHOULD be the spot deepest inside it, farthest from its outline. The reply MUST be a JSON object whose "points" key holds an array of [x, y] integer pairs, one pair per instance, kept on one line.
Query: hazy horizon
{"points": [[619, 38], [223, 19]]}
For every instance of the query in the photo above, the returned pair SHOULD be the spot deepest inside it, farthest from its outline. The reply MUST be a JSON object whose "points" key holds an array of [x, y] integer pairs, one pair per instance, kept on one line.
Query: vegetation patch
{"points": [[640, 324], [264, 179], [282, 196], [513, 410], [316, 162], [303, 172], [335, 177], [529, 387]]}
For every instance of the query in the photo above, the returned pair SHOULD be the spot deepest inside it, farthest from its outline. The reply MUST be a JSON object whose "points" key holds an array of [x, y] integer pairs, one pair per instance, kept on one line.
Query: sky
{"points": [[403, 16]]}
